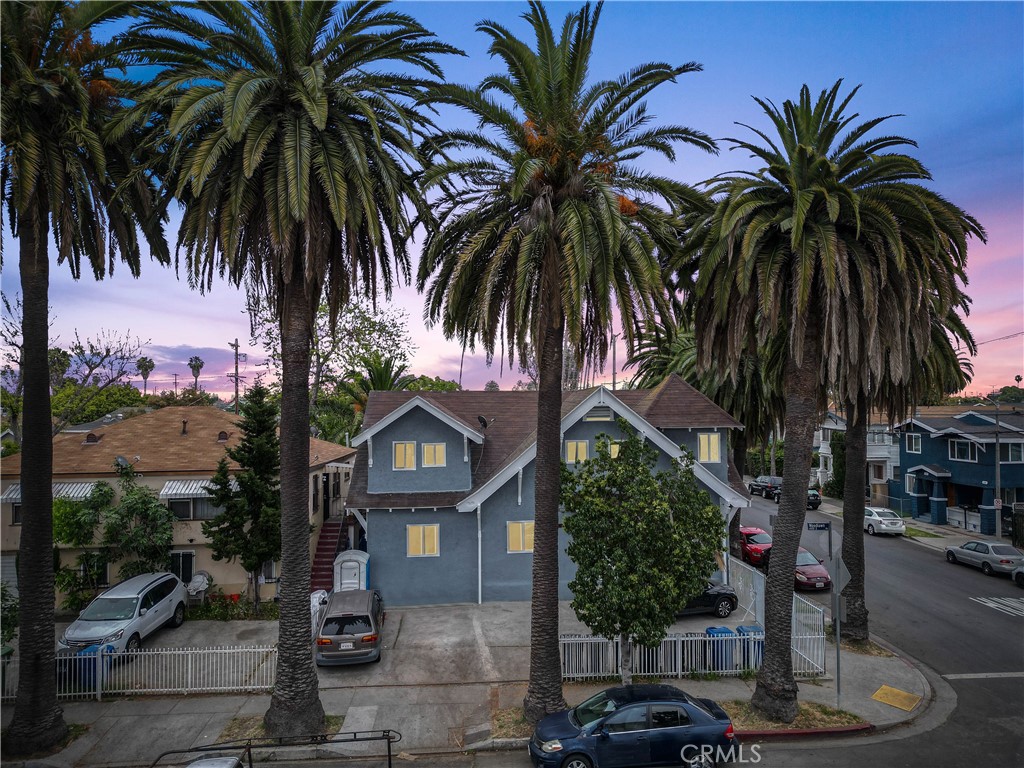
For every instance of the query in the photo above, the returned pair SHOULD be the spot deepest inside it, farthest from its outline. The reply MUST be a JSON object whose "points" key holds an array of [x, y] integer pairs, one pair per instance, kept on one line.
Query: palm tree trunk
{"points": [[38, 721], [295, 708], [544, 693], [855, 626], [775, 695]]}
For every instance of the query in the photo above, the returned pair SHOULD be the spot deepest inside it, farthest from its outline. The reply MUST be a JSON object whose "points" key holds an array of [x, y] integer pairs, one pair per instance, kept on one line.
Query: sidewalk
{"points": [[439, 683]]}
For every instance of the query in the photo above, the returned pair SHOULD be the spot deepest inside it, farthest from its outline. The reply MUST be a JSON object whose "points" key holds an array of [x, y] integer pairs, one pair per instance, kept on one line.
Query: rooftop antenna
{"points": [[121, 461]]}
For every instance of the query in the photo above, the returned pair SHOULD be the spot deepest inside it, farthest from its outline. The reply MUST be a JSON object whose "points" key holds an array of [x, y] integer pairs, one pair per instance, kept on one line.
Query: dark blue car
{"points": [[634, 726]]}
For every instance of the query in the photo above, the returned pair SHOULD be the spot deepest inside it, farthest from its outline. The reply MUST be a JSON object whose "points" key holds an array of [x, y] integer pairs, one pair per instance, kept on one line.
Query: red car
{"points": [[810, 573], [755, 546]]}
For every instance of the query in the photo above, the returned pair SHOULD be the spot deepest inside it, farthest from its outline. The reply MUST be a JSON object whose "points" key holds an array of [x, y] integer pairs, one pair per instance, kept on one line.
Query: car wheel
{"points": [[134, 644], [723, 607], [179, 616], [701, 761], [871, 530], [951, 557], [987, 569], [1019, 579], [577, 761]]}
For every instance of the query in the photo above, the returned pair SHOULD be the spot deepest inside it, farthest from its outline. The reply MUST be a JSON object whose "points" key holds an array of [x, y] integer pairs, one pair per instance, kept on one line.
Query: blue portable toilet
{"points": [[722, 641], [752, 639]]}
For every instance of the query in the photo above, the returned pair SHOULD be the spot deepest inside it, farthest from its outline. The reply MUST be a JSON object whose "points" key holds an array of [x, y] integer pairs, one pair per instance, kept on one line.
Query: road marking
{"points": [[1014, 606], [983, 675]]}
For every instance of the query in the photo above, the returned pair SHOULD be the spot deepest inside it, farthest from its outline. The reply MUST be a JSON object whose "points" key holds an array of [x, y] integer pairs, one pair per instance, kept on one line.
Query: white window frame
{"points": [[910, 484], [394, 445], [423, 541], [1009, 445], [576, 450], [704, 457], [915, 438], [522, 537], [444, 451], [972, 451], [269, 572]]}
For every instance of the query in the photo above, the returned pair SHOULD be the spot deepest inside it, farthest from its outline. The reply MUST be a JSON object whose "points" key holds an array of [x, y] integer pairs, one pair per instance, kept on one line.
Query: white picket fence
{"points": [[229, 669]]}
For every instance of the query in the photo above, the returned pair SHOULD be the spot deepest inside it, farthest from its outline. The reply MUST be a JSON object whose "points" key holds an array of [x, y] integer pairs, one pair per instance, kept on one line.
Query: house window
{"points": [[405, 455], [269, 572], [709, 448], [15, 514], [520, 536], [613, 449], [204, 509], [962, 450], [913, 442], [575, 451], [422, 540], [182, 508], [911, 484], [1011, 453], [183, 565], [878, 471], [336, 485], [93, 569], [433, 455]]}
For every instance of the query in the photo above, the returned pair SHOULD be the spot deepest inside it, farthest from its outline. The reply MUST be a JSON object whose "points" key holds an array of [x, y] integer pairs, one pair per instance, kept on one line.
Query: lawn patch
{"points": [[251, 727], [510, 723], [746, 718]]}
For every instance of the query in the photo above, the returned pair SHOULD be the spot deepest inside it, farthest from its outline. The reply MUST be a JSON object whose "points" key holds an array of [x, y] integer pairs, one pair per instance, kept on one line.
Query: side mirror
{"points": [[602, 732], [323, 601], [820, 561], [143, 612]]}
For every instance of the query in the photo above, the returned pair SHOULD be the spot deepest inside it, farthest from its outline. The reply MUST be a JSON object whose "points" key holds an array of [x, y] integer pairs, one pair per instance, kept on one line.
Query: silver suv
{"points": [[128, 612]]}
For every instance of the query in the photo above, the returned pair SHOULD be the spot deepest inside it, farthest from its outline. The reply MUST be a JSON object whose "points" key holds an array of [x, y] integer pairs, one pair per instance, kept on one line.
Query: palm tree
{"points": [[145, 366], [377, 373], [293, 155], [545, 230], [806, 247], [60, 171], [196, 364]]}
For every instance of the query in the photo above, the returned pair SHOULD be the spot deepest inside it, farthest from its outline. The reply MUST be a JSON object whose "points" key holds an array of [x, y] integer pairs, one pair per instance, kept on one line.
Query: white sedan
{"points": [[881, 520]]}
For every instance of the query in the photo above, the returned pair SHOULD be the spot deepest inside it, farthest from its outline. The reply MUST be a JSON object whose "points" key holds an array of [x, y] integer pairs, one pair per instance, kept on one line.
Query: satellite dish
{"points": [[122, 461], [483, 422]]}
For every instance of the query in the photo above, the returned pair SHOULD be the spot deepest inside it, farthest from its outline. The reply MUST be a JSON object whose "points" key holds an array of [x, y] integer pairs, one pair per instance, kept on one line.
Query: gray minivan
{"points": [[351, 627]]}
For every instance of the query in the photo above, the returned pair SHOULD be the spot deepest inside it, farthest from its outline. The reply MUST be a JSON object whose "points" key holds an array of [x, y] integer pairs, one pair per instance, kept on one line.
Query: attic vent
{"points": [[222, 437], [92, 437], [599, 413]]}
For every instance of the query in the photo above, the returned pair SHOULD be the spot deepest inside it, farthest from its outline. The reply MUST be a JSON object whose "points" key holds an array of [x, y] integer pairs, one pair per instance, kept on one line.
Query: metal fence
{"points": [[749, 584], [808, 640], [229, 669]]}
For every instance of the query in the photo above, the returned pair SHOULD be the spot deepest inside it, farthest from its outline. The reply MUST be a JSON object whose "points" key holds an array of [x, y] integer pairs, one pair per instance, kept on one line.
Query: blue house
{"points": [[443, 483], [949, 466]]}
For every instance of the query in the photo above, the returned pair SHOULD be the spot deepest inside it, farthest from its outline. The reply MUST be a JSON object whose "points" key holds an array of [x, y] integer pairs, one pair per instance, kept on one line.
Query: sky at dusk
{"points": [[955, 71]]}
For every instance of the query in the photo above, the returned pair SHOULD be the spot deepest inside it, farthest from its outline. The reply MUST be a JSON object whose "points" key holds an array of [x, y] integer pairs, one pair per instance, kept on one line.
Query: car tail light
{"points": [[729, 733], [369, 638], [323, 641], [1006, 562]]}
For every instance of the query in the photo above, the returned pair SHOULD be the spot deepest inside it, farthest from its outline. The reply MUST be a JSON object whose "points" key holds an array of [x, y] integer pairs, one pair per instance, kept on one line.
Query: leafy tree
{"points": [[70, 176], [90, 403], [145, 366], [196, 364], [187, 396], [491, 386], [75, 524], [836, 484], [644, 543], [375, 372], [546, 232], [436, 384], [801, 249], [292, 138], [138, 530], [249, 527], [8, 614]]}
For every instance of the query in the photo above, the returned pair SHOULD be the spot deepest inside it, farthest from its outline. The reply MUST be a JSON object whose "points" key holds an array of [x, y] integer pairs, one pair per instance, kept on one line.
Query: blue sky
{"points": [[954, 70]]}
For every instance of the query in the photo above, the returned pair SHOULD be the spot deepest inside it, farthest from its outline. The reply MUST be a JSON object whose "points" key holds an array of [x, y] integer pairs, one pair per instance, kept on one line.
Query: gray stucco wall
{"points": [[689, 439], [420, 427], [448, 578]]}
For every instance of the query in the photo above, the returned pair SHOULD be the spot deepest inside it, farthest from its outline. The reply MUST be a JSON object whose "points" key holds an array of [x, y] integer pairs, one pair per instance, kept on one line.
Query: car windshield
{"points": [[346, 625], [110, 609], [806, 558], [812, 492], [759, 538], [1002, 549], [593, 709]]}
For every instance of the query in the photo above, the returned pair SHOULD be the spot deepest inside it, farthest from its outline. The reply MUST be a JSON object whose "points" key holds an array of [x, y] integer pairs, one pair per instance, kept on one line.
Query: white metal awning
{"points": [[73, 491], [185, 489]]}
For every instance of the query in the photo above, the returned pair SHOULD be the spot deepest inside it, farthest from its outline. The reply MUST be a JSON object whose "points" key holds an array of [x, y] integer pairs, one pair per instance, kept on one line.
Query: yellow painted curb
{"points": [[894, 697]]}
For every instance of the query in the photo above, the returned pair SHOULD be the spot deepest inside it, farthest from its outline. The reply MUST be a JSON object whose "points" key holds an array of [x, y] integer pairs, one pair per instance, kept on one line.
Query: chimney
{"points": [[184, 426]]}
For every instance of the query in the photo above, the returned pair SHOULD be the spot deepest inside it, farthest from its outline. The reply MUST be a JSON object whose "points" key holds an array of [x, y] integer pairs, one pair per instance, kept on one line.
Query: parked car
{"points": [[755, 545], [813, 497], [810, 573], [127, 613], [881, 520], [632, 726], [1018, 576], [991, 558], [719, 599], [351, 626], [764, 485]]}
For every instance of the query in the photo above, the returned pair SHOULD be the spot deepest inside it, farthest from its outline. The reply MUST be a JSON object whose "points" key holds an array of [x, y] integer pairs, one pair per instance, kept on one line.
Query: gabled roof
{"points": [[957, 424], [674, 404], [437, 410], [932, 469]]}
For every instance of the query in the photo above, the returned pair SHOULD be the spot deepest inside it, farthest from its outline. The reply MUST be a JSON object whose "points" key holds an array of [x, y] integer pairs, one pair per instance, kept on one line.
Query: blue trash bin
{"points": [[753, 645], [722, 641], [85, 664]]}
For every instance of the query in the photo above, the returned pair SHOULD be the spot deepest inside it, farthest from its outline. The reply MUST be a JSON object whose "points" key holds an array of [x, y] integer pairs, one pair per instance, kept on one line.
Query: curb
{"points": [[782, 734]]}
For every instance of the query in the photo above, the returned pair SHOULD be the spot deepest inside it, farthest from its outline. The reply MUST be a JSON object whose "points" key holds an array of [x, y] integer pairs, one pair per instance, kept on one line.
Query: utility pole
{"points": [[999, 490], [175, 384], [235, 377], [614, 337]]}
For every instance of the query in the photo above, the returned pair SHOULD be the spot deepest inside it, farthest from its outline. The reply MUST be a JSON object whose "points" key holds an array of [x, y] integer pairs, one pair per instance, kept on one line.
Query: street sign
{"points": [[819, 526], [840, 574]]}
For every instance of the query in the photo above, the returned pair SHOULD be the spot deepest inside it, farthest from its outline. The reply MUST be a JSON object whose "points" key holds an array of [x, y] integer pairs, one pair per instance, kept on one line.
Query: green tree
{"points": [[8, 614], [248, 529], [145, 366], [375, 373], [89, 403], [546, 231], [75, 524], [292, 131], [433, 384], [644, 543], [836, 484], [67, 176], [802, 248], [491, 386], [138, 530], [196, 364]]}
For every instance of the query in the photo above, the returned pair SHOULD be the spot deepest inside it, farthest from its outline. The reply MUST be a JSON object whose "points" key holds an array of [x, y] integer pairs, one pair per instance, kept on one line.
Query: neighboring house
{"points": [[948, 460], [443, 484], [175, 450], [883, 455]]}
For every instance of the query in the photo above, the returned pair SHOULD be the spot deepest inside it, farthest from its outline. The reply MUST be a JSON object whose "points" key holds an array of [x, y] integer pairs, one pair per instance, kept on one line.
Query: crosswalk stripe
{"points": [[1014, 606]]}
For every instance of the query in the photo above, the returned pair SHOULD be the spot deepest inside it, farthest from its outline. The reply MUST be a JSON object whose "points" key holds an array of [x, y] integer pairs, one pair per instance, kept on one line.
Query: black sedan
{"points": [[719, 599], [634, 726]]}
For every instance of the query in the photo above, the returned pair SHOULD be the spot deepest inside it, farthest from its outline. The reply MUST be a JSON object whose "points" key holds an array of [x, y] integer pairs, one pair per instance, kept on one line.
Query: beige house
{"points": [[175, 452]]}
